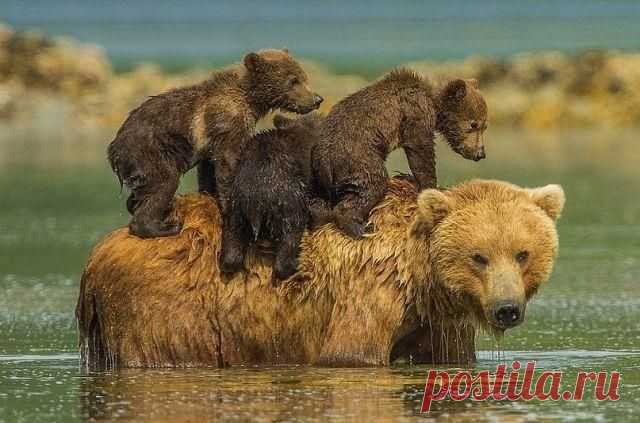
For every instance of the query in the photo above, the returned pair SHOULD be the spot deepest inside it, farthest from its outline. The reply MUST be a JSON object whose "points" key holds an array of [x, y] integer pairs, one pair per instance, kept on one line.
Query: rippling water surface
{"points": [[59, 198]]}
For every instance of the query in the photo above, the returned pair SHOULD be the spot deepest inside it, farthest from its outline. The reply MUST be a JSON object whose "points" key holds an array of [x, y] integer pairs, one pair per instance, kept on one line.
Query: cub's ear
{"points": [[252, 61], [286, 50], [549, 198], [455, 90], [281, 121], [433, 206], [472, 82]]}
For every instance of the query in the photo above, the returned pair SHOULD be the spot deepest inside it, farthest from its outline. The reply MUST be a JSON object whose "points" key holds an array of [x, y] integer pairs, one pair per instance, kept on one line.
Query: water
{"points": [[57, 202], [279, 394], [361, 36]]}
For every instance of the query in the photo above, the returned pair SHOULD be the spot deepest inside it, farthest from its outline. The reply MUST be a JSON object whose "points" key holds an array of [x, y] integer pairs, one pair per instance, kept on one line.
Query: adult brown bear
{"points": [[439, 265]]}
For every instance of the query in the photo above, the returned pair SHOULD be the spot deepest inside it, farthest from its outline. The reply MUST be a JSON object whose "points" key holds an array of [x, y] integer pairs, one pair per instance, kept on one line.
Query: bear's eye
{"points": [[294, 81], [480, 259], [522, 256]]}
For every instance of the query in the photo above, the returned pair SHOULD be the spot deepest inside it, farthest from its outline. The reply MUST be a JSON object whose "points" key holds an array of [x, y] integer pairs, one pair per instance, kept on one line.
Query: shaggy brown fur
{"points": [[207, 123], [271, 195], [400, 111], [410, 290]]}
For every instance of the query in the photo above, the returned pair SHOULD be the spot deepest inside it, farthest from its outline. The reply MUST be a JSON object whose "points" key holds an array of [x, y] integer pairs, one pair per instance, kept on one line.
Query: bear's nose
{"points": [[507, 314], [480, 154], [317, 100]]}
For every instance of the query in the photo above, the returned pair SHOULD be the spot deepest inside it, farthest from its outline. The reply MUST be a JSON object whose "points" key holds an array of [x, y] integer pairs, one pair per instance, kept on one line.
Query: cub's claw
{"points": [[352, 228], [231, 263], [154, 229], [284, 269]]}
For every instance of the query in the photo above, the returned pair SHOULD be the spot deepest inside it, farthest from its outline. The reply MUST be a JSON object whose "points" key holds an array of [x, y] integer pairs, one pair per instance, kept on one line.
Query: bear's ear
{"points": [[549, 198], [433, 206], [455, 91], [281, 121], [252, 61], [472, 82]]}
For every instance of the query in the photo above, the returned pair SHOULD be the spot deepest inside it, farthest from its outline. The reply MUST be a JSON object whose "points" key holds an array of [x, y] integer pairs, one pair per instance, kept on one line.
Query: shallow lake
{"points": [[58, 198]]}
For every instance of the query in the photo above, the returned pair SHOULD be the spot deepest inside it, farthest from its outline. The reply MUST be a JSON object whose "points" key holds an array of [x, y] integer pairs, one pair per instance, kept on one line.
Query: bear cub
{"points": [[207, 124], [271, 195], [402, 110]]}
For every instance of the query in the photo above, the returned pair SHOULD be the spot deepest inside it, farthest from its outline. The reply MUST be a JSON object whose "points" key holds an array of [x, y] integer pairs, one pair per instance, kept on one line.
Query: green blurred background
{"points": [[562, 80]]}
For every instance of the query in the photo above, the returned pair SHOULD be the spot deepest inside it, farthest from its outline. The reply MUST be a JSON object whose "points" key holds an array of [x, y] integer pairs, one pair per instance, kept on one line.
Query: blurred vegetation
{"points": [[57, 84]]}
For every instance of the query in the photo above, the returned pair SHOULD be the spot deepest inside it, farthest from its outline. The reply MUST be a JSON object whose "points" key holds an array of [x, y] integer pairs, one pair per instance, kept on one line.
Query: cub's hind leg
{"points": [[351, 213], [235, 239], [132, 203], [153, 205], [287, 251], [207, 177]]}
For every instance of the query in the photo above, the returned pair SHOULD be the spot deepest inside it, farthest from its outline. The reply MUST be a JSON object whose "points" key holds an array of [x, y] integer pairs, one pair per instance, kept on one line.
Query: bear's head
{"points": [[279, 82], [462, 118], [310, 122], [299, 135], [491, 245]]}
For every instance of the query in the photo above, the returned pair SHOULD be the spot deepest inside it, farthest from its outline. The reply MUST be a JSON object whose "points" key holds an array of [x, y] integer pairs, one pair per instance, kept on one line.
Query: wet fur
{"points": [[208, 124], [402, 110], [164, 302], [271, 195]]}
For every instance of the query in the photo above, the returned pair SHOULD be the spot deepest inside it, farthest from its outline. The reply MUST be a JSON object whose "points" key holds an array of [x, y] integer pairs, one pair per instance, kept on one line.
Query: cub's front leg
{"points": [[152, 206], [207, 177], [235, 239], [418, 145], [358, 198], [287, 251]]}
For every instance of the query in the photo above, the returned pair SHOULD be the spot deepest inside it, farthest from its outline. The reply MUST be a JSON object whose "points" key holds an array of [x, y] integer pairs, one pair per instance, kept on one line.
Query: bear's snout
{"points": [[480, 154], [507, 314]]}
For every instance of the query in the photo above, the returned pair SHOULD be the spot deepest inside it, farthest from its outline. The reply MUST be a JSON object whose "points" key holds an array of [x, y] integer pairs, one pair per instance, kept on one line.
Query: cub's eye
{"points": [[522, 256], [480, 259], [294, 81], [475, 125]]}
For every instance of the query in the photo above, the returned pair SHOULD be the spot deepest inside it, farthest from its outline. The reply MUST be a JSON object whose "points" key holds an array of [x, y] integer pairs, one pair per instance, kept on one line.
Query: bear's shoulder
{"points": [[405, 78], [225, 88], [224, 106]]}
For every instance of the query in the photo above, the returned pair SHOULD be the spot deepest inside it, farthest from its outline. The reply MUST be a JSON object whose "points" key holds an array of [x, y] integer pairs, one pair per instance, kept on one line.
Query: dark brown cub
{"points": [[209, 124], [271, 195], [400, 111]]}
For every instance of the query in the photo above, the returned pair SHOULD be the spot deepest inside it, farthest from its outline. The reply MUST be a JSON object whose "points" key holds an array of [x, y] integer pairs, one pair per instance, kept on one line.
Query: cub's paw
{"points": [[231, 262], [320, 213], [170, 229], [132, 204], [284, 269], [351, 226], [369, 228], [154, 229]]}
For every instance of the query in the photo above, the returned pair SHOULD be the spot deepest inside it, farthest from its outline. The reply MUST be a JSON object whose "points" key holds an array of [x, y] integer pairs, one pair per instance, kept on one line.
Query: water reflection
{"points": [[313, 394], [36, 387], [275, 394]]}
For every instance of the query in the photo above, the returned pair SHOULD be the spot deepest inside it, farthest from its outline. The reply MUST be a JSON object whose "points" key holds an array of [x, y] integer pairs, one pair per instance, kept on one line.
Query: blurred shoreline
{"points": [[53, 85]]}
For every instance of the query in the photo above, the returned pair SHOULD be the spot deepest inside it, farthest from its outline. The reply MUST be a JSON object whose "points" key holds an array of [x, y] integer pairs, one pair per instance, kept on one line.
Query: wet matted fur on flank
{"points": [[164, 302]]}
